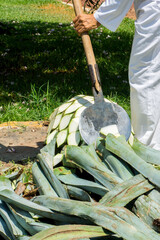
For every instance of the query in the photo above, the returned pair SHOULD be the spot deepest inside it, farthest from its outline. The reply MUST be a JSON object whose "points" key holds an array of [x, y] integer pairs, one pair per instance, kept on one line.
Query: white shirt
{"points": [[111, 13]]}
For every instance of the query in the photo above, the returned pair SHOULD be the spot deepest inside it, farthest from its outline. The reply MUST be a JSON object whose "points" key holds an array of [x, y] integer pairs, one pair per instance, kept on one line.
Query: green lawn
{"points": [[42, 61]]}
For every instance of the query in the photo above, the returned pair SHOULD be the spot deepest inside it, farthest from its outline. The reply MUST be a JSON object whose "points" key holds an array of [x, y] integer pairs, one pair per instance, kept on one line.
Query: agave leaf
{"points": [[57, 159], [74, 138], [14, 227], [89, 164], [125, 192], [4, 231], [44, 187], [78, 194], [148, 210], [68, 177], [74, 125], [62, 137], [51, 136], [24, 238], [62, 171], [147, 153], [121, 148], [25, 219], [14, 175], [68, 232], [5, 183], [89, 149], [71, 109], [52, 120], [54, 113], [118, 219], [78, 103], [49, 148], [48, 152], [69, 164], [65, 120], [56, 184], [56, 121], [89, 186], [80, 110], [155, 196], [109, 129], [64, 106], [22, 203], [119, 167]]}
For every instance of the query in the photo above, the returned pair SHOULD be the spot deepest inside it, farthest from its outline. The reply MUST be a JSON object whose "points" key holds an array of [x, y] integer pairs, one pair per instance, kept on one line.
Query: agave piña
{"points": [[64, 121]]}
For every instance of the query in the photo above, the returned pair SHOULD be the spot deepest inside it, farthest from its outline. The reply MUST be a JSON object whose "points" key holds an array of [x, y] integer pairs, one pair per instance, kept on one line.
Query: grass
{"points": [[42, 61]]}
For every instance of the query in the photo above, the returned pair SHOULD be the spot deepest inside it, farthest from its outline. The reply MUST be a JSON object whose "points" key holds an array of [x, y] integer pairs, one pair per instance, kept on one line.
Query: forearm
{"points": [[85, 22]]}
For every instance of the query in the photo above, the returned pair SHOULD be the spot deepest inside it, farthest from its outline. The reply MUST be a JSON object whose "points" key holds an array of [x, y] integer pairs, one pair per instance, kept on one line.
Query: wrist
{"points": [[96, 23]]}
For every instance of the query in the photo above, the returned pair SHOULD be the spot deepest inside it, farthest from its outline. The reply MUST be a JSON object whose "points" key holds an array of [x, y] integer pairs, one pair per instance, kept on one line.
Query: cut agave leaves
{"points": [[73, 108], [64, 121], [85, 160], [57, 159], [67, 177], [62, 137], [44, 187], [68, 232], [51, 136], [55, 121], [14, 227], [118, 220], [64, 106], [74, 138], [4, 231], [26, 221], [110, 128], [5, 183], [74, 125], [148, 210], [125, 192], [147, 153], [118, 166], [11, 197], [122, 149]]}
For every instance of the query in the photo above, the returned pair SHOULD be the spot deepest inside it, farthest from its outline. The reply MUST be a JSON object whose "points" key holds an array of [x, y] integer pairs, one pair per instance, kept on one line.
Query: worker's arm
{"points": [[110, 14], [85, 22]]}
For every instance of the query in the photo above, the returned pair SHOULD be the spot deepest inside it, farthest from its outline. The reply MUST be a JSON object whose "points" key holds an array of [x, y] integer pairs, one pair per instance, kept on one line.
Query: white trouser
{"points": [[144, 67], [144, 73]]}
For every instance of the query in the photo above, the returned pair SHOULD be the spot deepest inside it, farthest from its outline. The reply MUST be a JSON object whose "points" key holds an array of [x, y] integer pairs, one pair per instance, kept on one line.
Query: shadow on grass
{"points": [[37, 53]]}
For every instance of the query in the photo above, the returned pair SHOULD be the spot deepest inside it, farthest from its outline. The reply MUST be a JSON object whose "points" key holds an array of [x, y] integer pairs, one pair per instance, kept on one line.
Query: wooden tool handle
{"points": [[93, 68]]}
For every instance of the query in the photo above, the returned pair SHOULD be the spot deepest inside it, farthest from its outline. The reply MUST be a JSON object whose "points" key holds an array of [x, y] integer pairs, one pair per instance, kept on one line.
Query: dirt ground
{"points": [[21, 140]]}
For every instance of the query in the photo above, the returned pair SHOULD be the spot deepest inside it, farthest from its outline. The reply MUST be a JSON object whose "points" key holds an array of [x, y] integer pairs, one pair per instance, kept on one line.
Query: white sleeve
{"points": [[111, 13]]}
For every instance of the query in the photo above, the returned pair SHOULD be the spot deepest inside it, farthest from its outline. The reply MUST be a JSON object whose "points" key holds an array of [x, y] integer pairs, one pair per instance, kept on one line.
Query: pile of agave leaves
{"points": [[105, 191]]}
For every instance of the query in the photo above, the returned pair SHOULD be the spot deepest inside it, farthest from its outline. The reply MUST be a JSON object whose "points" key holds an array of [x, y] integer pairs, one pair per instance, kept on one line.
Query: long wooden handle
{"points": [[93, 68]]}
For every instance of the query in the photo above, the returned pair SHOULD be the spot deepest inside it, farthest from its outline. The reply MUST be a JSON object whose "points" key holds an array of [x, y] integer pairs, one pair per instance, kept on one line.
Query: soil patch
{"points": [[20, 141]]}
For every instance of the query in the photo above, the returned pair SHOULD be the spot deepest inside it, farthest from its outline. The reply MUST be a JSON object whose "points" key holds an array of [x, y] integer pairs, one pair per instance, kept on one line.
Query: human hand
{"points": [[85, 22]]}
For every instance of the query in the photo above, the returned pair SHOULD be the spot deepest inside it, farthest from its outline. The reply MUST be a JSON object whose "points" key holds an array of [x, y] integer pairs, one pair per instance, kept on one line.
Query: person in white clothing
{"points": [[144, 65]]}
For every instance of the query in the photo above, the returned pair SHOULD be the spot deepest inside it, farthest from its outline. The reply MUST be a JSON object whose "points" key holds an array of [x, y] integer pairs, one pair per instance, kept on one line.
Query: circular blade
{"points": [[101, 115]]}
